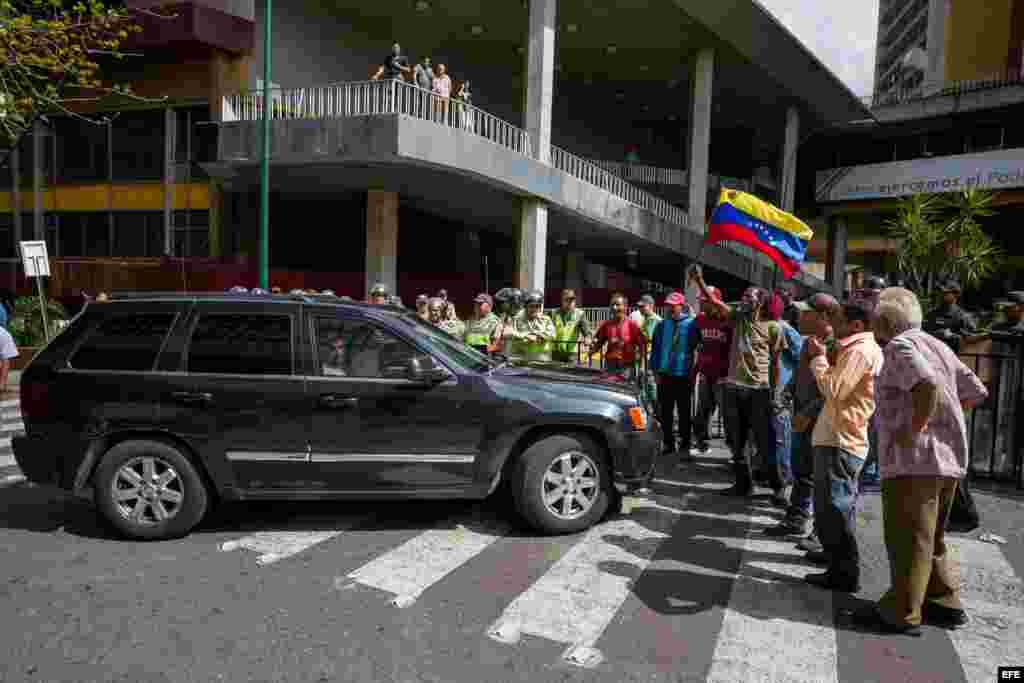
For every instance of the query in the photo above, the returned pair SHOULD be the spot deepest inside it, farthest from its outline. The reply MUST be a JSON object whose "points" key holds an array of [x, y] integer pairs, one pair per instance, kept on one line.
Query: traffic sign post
{"points": [[37, 265]]}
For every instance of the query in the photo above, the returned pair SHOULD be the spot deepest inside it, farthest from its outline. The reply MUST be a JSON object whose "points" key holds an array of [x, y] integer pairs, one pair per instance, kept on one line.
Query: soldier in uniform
{"points": [[949, 322], [534, 331], [438, 310], [480, 329], [571, 329], [379, 294], [1014, 323], [509, 304]]}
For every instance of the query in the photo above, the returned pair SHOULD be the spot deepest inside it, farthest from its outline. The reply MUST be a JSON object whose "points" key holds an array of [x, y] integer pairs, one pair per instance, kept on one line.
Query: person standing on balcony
{"points": [[423, 77], [752, 381], [572, 330], [621, 338], [673, 357], [465, 98], [395, 66], [713, 364], [442, 91], [480, 328]]}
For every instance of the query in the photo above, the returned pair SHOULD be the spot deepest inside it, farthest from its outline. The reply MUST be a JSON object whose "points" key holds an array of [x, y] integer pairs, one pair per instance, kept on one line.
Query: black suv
{"points": [[162, 404]]}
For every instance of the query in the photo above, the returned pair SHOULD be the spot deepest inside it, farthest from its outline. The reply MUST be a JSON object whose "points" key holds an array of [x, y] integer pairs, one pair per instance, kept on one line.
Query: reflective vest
{"points": [[567, 331], [478, 332], [537, 350]]}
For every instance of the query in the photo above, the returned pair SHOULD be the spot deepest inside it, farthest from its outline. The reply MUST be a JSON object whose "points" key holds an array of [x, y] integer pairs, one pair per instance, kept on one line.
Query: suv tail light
{"points": [[35, 401]]}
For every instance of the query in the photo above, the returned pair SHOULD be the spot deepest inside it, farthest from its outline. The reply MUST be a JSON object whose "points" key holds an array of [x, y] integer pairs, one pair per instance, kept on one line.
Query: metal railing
{"points": [[644, 173], [928, 90], [590, 172], [994, 428]]}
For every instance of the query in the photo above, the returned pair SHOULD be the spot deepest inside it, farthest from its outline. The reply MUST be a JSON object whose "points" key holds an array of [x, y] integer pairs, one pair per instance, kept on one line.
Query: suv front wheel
{"points": [[149, 490], [562, 484]]}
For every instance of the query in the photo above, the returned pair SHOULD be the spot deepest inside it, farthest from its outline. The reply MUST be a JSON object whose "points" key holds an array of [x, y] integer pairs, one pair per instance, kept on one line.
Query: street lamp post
{"points": [[264, 248]]}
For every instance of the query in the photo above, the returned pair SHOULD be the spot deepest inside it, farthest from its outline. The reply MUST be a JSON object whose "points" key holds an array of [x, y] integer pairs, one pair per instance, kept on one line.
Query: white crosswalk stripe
{"points": [[10, 424]]}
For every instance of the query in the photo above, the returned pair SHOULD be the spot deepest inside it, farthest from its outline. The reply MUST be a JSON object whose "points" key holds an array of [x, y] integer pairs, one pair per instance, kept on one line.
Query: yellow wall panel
{"points": [[133, 197], [977, 39]]}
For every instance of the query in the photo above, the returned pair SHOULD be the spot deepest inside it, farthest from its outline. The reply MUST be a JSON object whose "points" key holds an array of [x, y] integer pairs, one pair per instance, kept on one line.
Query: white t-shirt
{"points": [[8, 349]]}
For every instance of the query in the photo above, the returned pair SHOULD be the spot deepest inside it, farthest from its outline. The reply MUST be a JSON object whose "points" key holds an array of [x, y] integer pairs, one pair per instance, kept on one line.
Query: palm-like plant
{"points": [[26, 323], [941, 237]]}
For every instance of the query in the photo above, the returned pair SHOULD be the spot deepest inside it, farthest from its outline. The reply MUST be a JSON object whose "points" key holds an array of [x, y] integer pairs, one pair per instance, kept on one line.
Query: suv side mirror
{"points": [[423, 370]]}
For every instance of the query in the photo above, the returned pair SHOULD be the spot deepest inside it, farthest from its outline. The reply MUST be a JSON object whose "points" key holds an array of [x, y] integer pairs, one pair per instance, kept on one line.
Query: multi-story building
{"points": [[924, 44], [376, 180]]}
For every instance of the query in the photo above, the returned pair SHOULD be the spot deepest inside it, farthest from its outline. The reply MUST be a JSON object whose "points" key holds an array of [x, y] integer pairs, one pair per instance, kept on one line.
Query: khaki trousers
{"points": [[915, 511]]}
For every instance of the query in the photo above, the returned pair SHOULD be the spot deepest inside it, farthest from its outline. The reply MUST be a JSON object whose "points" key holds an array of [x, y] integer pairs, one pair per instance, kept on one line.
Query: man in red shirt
{"points": [[713, 364], [623, 337]]}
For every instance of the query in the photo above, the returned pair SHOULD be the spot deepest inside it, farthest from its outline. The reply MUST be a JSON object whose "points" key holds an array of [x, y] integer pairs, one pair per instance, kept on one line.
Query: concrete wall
{"points": [[977, 39]]}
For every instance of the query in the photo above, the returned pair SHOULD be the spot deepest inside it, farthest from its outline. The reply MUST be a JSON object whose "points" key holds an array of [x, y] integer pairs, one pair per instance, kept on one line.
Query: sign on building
{"points": [[996, 170]]}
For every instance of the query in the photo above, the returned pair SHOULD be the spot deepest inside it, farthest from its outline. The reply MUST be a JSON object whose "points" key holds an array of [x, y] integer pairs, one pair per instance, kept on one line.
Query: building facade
{"points": [[589, 157]]}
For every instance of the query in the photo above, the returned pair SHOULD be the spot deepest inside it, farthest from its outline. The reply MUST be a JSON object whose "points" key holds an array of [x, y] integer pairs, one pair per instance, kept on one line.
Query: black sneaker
{"points": [[943, 617]]}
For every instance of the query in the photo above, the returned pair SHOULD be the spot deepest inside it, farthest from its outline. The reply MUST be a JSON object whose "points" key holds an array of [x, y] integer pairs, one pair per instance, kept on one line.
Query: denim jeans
{"points": [[870, 471], [801, 499], [782, 422], [836, 494]]}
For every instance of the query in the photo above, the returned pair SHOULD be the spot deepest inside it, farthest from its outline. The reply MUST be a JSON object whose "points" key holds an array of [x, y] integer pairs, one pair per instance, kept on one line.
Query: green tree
{"points": [[52, 57], [941, 237]]}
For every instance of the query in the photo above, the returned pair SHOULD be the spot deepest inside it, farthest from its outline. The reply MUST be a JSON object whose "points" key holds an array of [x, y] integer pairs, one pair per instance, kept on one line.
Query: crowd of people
{"points": [[434, 81]]}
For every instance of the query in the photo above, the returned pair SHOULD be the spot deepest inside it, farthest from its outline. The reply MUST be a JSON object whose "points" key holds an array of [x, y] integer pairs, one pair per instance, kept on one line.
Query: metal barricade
{"points": [[994, 427]]}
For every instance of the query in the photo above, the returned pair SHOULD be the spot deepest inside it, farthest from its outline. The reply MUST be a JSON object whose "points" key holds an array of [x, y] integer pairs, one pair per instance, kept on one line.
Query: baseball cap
{"points": [[675, 299], [484, 298], [647, 299], [818, 303]]}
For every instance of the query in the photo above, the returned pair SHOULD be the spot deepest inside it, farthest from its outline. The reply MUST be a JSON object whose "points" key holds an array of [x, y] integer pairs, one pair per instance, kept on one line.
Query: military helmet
{"points": [[380, 289], [875, 282], [535, 297]]}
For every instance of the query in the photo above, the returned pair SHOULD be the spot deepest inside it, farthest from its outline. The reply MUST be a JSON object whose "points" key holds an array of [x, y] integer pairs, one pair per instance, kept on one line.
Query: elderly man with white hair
{"points": [[922, 393]]}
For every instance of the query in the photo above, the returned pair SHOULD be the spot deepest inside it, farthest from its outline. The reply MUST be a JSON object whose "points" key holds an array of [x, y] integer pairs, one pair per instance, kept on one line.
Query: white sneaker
{"points": [[694, 452]]}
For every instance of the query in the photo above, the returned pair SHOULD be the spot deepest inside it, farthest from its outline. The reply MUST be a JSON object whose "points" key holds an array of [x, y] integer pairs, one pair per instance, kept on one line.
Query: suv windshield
{"points": [[441, 341]]}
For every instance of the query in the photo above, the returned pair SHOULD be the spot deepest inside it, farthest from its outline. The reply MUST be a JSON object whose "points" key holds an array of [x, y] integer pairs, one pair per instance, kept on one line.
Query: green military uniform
{"points": [[453, 327], [480, 331], [541, 326], [570, 328]]}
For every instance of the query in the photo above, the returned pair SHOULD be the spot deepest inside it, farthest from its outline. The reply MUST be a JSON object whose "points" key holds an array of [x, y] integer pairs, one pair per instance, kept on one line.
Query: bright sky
{"points": [[841, 33]]}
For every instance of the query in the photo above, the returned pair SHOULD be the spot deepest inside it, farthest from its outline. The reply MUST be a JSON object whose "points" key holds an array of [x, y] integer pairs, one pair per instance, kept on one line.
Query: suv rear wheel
{"points": [[562, 485], [149, 490]]}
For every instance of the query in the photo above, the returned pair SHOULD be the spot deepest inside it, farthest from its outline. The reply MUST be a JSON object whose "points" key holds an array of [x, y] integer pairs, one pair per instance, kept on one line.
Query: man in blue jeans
{"points": [[807, 404]]}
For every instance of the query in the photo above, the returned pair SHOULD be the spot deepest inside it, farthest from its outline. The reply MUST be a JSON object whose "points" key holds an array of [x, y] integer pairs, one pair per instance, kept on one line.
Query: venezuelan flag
{"points": [[742, 217]]}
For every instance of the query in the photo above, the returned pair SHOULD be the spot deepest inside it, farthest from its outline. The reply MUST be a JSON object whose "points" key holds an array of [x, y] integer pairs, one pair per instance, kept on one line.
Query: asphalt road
{"points": [[681, 587]]}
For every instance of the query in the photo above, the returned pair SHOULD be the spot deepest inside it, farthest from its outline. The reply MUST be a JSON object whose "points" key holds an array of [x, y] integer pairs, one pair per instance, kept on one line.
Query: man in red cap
{"points": [[713, 364], [673, 355]]}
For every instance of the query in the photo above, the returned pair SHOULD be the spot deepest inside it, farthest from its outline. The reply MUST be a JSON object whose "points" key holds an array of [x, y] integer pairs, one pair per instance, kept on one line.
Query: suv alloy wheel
{"points": [[149, 490], [562, 484]]}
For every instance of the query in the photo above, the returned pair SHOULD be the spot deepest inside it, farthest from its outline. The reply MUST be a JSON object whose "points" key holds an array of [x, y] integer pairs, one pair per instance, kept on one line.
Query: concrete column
{"points": [[540, 76], [382, 239], [787, 160], [698, 137], [170, 131], [835, 265], [531, 241], [38, 225], [935, 45]]}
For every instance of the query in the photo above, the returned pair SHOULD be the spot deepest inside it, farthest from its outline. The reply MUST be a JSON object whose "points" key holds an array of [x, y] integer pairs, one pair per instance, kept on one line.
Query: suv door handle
{"points": [[338, 401], [190, 397]]}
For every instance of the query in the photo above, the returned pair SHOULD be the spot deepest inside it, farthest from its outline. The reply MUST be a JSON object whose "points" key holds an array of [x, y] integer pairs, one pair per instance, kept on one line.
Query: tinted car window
{"points": [[237, 344], [124, 342], [349, 348]]}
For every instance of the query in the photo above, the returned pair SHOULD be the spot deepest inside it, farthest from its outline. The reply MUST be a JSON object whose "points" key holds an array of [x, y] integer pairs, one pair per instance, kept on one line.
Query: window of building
{"points": [[138, 233], [192, 233], [124, 342], [348, 348], [138, 145], [81, 150], [241, 344], [195, 141], [84, 233]]}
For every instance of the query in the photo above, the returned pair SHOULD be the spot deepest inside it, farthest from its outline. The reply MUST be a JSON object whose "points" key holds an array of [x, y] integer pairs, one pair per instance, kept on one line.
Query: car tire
{"points": [[591, 488], [134, 506]]}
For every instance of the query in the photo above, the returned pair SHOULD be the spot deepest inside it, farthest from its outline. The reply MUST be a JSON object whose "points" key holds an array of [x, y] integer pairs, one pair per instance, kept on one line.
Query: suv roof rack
{"points": [[134, 295]]}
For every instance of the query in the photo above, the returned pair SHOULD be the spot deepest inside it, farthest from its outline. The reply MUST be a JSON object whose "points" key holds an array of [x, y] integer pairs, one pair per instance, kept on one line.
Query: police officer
{"points": [[1014, 323], [421, 307], [379, 294], [949, 322], [571, 328], [509, 303], [480, 328], [535, 331]]}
